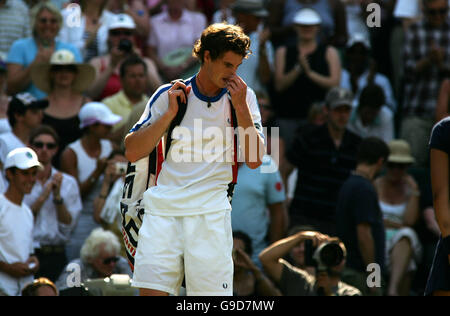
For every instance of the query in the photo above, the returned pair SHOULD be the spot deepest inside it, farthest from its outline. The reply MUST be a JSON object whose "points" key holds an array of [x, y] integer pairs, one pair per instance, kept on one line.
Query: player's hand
{"points": [[238, 90], [178, 90]]}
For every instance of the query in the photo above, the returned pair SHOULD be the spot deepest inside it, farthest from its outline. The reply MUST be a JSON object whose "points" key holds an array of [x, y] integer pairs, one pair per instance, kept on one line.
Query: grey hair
{"points": [[98, 237]]}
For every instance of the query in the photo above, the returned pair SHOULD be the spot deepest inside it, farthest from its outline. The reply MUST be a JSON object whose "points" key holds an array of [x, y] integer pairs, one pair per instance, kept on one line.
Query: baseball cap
{"points": [[307, 16], [23, 101], [253, 7], [97, 112], [338, 96], [122, 21], [359, 38], [23, 158]]}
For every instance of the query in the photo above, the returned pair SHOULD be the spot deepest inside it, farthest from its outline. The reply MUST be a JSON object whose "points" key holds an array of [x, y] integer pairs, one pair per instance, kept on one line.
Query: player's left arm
{"points": [[250, 139]]}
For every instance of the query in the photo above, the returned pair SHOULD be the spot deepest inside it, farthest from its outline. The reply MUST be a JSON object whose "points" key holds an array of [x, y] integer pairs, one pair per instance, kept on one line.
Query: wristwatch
{"points": [[58, 201]]}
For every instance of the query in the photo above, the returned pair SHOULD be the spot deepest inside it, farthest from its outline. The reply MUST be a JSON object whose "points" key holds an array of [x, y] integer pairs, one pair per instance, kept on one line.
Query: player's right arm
{"points": [[440, 188], [141, 142]]}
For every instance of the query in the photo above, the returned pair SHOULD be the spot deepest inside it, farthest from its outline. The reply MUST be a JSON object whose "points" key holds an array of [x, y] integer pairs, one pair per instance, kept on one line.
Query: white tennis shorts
{"points": [[197, 247]]}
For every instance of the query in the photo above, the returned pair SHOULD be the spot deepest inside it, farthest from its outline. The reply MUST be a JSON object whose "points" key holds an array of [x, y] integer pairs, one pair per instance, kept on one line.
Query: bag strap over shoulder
{"points": [[182, 107]]}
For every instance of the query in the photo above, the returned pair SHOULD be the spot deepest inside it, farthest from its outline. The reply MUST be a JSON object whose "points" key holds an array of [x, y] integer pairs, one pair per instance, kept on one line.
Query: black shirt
{"points": [[358, 203], [322, 168], [296, 100]]}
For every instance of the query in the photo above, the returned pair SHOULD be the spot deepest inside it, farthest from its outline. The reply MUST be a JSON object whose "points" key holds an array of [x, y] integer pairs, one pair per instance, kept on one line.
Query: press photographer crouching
{"points": [[318, 274]]}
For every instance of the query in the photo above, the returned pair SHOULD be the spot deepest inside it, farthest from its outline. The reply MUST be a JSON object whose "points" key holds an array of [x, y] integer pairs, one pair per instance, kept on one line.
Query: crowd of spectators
{"points": [[333, 79]]}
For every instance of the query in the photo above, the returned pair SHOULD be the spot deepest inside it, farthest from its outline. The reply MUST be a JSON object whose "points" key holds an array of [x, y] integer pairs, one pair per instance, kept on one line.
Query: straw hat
{"points": [[400, 152], [40, 74]]}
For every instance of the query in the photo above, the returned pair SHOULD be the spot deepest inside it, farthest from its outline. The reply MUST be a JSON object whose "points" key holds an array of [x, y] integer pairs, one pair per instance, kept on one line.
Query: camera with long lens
{"points": [[327, 255]]}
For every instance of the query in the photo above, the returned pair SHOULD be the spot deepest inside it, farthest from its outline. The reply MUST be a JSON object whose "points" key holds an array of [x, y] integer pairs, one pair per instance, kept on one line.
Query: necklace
{"points": [[208, 98]]}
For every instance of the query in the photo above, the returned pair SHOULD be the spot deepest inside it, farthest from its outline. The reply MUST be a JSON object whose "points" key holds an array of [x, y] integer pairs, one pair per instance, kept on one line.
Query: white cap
{"points": [[96, 112], [23, 158], [359, 38], [307, 16], [122, 21]]}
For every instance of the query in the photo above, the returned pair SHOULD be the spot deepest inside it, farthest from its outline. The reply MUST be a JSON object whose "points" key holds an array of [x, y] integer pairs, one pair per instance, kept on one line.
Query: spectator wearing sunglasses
{"points": [[398, 195], [24, 114], [86, 159], [121, 45], [99, 258], [46, 22], [65, 81], [426, 64], [55, 202]]}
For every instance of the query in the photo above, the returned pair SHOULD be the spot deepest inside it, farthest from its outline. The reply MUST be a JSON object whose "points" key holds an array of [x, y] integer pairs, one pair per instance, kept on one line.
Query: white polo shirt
{"points": [[195, 175], [16, 242]]}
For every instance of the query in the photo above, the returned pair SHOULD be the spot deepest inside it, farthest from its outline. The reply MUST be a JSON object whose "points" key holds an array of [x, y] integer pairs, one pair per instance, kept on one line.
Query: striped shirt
{"points": [[421, 89], [322, 169], [14, 23]]}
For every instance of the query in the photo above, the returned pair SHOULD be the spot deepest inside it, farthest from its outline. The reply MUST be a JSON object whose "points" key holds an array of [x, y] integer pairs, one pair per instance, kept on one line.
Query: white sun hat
{"points": [[40, 73], [97, 112], [307, 16]]}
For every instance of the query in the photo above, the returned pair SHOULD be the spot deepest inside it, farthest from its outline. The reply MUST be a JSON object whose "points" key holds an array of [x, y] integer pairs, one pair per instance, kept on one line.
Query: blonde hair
{"points": [[38, 8], [31, 288], [98, 237]]}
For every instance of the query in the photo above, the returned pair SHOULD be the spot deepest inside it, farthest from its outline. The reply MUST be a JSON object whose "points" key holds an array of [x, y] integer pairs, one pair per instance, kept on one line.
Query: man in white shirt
{"points": [[55, 201], [17, 264], [24, 114], [371, 117], [186, 229]]}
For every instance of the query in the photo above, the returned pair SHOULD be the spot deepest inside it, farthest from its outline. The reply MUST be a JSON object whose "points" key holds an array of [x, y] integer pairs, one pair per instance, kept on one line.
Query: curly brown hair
{"points": [[220, 38]]}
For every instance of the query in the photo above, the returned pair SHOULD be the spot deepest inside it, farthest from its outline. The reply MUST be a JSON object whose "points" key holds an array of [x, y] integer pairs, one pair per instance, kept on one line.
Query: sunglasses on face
{"points": [[119, 33], [110, 259], [435, 12], [394, 165], [41, 145], [70, 68], [46, 20]]}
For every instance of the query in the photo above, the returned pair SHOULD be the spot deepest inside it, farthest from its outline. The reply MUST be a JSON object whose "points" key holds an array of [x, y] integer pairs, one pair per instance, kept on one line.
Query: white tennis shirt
{"points": [[198, 168]]}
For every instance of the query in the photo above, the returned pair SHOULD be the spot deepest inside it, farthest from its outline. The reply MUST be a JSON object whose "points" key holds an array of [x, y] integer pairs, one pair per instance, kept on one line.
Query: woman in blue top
{"points": [[46, 22]]}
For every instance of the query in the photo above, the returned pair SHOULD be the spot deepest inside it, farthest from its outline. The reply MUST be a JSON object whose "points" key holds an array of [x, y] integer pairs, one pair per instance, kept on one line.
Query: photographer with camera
{"points": [[121, 45], [324, 260], [107, 203]]}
